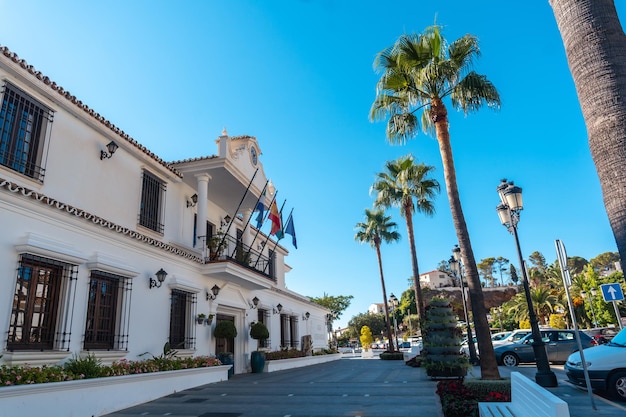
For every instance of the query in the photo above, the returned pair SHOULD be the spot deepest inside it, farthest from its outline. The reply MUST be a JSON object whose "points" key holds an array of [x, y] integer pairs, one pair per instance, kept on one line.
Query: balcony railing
{"points": [[233, 250]]}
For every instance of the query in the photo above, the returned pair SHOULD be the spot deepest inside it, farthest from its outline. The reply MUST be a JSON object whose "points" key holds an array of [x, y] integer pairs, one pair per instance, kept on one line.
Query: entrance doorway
{"points": [[224, 344]]}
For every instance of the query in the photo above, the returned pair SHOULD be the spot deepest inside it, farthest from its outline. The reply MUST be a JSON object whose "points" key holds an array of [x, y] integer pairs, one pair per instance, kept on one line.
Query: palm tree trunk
{"points": [[488, 364], [417, 287], [382, 282], [595, 46]]}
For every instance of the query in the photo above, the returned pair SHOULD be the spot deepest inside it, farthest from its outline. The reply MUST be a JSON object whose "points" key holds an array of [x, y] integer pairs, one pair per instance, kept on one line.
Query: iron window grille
{"points": [[43, 305], [263, 316], [24, 124], [152, 197], [108, 312], [182, 330]]}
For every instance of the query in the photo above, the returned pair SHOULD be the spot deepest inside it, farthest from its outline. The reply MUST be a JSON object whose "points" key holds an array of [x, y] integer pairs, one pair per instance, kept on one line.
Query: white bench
{"points": [[527, 399]]}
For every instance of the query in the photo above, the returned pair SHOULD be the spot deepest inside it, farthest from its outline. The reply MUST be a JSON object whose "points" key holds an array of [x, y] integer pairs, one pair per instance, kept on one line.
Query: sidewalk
{"points": [[350, 386]]}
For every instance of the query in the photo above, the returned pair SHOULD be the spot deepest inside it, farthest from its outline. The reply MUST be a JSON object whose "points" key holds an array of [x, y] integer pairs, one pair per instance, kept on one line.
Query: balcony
{"points": [[232, 260]]}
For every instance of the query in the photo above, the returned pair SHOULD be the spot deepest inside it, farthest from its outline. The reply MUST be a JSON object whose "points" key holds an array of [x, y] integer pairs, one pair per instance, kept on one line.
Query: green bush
{"points": [[89, 366], [391, 356], [284, 354]]}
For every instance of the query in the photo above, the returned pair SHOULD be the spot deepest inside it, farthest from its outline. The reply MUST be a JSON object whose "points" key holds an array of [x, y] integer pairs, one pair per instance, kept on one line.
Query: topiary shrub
{"points": [[225, 329]]}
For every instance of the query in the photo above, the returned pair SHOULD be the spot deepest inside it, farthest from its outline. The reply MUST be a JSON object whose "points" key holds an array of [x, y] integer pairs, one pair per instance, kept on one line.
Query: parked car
{"points": [[515, 336], [494, 337], [606, 365], [559, 346], [602, 335]]}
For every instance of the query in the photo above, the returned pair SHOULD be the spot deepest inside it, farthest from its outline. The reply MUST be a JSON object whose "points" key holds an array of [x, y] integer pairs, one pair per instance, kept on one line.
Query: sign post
{"points": [[613, 293]]}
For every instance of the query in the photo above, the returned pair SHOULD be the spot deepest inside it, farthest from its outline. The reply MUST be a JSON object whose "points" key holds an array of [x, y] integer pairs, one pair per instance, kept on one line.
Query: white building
{"points": [[92, 221], [435, 279], [376, 308]]}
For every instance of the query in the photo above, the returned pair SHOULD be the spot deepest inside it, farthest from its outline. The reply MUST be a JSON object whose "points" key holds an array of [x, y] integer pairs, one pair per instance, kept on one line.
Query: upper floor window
{"points": [[23, 126], [108, 302], [38, 319], [152, 197]]}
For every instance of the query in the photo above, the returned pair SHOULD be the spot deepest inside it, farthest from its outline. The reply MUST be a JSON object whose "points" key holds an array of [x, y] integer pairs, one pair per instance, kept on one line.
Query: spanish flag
{"points": [[274, 216]]}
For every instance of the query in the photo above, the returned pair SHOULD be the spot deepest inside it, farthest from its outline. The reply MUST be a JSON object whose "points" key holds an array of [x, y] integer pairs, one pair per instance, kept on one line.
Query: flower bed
{"points": [[460, 399], [89, 367], [100, 396]]}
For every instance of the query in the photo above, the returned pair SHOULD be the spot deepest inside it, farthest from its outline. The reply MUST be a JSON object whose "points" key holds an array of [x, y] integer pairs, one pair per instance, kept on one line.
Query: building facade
{"points": [[436, 279], [107, 249]]}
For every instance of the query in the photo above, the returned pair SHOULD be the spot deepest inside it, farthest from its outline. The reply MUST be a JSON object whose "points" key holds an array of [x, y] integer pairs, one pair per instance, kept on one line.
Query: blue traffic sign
{"points": [[612, 292]]}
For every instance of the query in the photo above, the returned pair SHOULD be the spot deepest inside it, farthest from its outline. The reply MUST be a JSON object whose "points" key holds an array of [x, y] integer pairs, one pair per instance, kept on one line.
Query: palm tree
{"points": [[418, 72], [378, 228], [594, 44], [403, 181]]}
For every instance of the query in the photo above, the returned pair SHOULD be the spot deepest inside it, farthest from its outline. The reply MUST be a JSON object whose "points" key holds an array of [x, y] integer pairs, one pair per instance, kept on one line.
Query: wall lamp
{"points": [[225, 221], [194, 201], [213, 294], [255, 303], [156, 283], [278, 309], [306, 316], [111, 147]]}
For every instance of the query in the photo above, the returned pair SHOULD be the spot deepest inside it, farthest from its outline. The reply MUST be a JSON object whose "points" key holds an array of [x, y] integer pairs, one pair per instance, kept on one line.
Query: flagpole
{"points": [[255, 205], [238, 207], [267, 236], [276, 243], [265, 216]]}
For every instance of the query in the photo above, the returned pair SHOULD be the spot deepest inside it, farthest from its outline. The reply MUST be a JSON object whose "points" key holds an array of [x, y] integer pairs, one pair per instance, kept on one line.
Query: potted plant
{"points": [[442, 341], [258, 331], [216, 243], [226, 329], [201, 318], [366, 341]]}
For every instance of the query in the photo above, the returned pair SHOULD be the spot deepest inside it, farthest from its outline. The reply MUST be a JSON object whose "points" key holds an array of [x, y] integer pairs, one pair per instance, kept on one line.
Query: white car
{"points": [[606, 365], [494, 337]]}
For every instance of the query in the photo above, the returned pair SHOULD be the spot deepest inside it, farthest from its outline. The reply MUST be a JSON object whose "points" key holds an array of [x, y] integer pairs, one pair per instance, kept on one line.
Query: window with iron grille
{"points": [[108, 304], [263, 317], [24, 123], [42, 305], [181, 327], [293, 330], [152, 197]]}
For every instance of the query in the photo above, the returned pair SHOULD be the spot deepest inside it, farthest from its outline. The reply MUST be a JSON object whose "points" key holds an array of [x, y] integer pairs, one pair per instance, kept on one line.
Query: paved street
{"points": [[351, 387]]}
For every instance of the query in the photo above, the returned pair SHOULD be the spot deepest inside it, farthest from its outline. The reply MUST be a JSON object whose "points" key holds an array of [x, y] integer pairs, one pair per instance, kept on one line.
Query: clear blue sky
{"points": [[298, 75]]}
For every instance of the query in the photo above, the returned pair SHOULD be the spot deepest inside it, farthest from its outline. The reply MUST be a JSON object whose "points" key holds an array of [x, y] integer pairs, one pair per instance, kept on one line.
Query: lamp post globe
{"points": [[509, 214]]}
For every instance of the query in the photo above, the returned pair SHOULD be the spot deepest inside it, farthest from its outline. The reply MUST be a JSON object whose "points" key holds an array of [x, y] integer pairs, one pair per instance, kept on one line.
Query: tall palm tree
{"points": [[418, 72], [595, 47], [378, 228], [401, 183]]}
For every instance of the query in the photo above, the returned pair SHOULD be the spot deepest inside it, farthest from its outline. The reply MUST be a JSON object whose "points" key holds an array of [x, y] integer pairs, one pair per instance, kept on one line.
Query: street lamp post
{"points": [[509, 214], [457, 271], [592, 295], [500, 317], [393, 301]]}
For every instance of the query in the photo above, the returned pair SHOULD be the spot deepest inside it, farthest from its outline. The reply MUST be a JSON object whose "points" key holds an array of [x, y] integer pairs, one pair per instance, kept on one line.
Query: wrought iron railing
{"points": [[227, 248]]}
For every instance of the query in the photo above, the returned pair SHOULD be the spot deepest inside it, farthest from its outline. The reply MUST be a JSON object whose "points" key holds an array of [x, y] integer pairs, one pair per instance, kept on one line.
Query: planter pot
{"points": [[443, 350], [439, 303], [367, 353], [227, 359], [257, 362], [282, 364], [100, 396], [447, 373], [200, 320]]}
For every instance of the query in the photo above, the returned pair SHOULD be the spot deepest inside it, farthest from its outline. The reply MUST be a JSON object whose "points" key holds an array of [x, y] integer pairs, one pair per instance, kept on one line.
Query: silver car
{"points": [[559, 344]]}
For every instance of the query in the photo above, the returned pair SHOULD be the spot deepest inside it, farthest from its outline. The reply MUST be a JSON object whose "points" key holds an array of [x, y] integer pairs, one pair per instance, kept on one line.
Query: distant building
{"points": [[376, 308], [436, 279]]}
